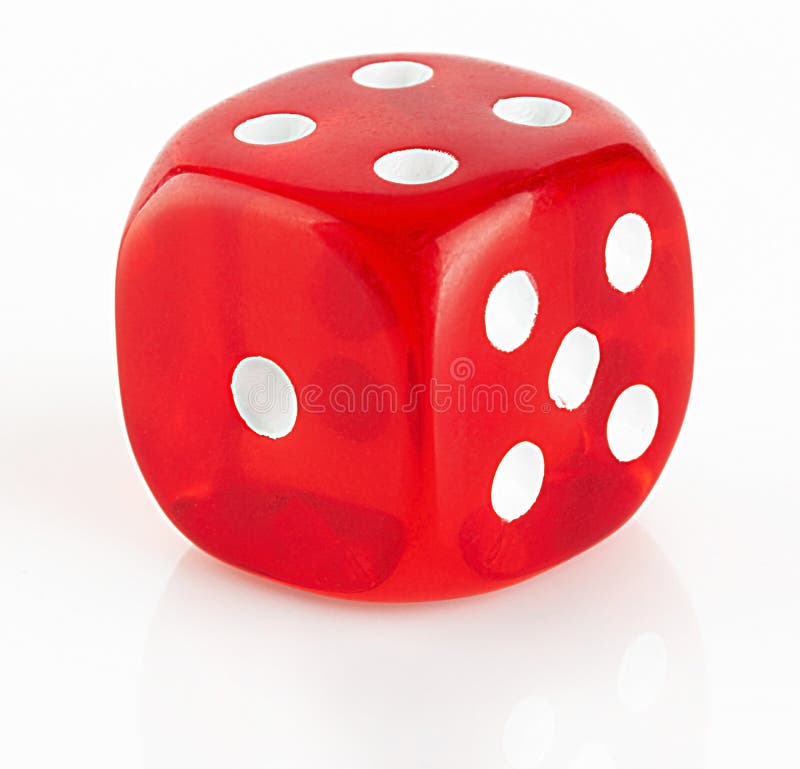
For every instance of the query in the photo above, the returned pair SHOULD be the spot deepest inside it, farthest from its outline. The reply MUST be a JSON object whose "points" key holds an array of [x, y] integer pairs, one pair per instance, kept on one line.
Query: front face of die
{"points": [[569, 345], [404, 330]]}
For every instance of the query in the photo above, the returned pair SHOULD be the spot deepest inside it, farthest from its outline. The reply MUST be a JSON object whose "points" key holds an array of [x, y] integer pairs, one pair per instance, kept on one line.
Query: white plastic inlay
{"points": [[628, 250], [277, 128], [264, 397], [535, 111], [518, 481], [415, 166], [392, 74], [632, 423], [511, 310], [573, 369]]}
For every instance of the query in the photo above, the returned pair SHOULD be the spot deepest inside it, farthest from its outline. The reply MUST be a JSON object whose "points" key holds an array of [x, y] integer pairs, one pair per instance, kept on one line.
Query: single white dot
{"points": [[628, 249], [264, 397], [642, 672], [511, 310], [415, 166], [573, 369], [518, 481], [632, 422], [392, 74], [529, 732], [536, 111], [277, 128]]}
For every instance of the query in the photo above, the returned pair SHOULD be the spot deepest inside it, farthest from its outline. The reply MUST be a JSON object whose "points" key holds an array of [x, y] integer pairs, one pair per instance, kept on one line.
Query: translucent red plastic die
{"points": [[404, 328]]}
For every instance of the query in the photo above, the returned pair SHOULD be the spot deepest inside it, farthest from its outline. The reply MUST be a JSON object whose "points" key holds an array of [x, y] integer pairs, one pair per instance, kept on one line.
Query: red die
{"points": [[404, 329]]}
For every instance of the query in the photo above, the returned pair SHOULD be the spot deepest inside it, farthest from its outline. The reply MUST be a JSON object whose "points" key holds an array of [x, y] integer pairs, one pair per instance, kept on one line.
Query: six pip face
{"points": [[404, 328]]}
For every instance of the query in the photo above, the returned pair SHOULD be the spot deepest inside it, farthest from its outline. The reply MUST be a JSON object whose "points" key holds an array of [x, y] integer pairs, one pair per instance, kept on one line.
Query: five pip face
{"points": [[404, 327]]}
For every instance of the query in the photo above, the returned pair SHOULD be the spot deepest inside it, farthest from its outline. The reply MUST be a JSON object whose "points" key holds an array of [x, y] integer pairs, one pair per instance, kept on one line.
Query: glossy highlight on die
{"points": [[404, 327]]}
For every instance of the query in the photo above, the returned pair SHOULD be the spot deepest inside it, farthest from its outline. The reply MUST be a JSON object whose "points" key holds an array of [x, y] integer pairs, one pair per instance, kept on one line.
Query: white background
{"points": [[674, 643]]}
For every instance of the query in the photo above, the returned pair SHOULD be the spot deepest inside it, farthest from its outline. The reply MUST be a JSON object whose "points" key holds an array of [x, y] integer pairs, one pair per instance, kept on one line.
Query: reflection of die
{"points": [[404, 330], [577, 670]]}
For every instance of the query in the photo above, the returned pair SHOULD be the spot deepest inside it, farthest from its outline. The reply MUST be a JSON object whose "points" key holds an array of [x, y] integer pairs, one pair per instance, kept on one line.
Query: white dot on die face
{"points": [[392, 74], [415, 166], [632, 423], [642, 672], [529, 733], [264, 397], [628, 249], [535, 111], [277, 128], [518, 481], [574, 366], [511, 310]]}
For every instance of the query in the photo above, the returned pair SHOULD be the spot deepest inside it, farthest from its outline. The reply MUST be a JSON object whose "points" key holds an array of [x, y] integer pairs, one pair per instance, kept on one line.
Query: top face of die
{"points": [[402, 140]]}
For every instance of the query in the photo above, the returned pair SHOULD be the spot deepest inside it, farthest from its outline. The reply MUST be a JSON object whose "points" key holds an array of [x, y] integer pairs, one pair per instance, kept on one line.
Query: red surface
{"points": [[301, 254]]}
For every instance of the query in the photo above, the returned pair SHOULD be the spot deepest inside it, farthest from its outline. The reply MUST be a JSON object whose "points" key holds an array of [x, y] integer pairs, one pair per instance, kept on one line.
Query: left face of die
{"points": [[248, 328]]}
